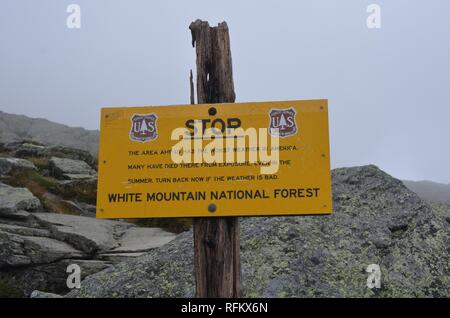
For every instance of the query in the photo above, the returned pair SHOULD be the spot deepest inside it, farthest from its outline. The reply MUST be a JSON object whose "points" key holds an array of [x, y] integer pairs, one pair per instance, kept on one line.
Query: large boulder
{"points": [[28, 149], [87, 234], [376, 220], [13, 200], [10, 165], [63, 168], [18, 250], [136, 240], [70, 153], [102, 236], [51, 276]]}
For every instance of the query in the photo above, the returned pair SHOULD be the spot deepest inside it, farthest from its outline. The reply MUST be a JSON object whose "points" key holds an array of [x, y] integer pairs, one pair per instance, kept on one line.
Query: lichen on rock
{"points": [[376, 220]]}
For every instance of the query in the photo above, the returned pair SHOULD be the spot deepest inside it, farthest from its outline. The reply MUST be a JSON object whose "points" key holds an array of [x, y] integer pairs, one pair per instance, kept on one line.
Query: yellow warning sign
{"points": [[241, 159]]}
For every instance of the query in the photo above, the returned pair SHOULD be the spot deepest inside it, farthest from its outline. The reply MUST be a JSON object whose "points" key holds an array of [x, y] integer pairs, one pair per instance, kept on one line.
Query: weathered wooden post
{"points": [[216, 240]]}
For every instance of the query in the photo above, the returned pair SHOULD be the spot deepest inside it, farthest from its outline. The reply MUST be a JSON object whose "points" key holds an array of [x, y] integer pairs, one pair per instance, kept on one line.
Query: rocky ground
{"points": [[47, 210], [376, 220], [47, 220]]}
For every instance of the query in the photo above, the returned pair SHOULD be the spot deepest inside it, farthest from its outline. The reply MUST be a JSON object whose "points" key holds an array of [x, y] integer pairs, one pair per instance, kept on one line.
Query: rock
{"points": [[52, 277], [86, 209], [35, 253], [10, 165], [77, 177], [164, 272], [63, 168], [101, 236], [27, 149], [87, 234], [70, 153], [141, 239], [83, 190], [16, 215], [13, 200], [24, 230], [40, 294], [17, 250], [119, 257], [376, 220], [83, 209]]}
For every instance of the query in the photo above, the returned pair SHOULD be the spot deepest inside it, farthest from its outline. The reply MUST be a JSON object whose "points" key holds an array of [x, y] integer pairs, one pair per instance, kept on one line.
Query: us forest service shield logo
{"points": [[143, 127], [284, 121]]}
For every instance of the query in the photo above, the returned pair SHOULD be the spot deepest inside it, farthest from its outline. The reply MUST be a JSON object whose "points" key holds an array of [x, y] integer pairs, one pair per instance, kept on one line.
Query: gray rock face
{"points": [[84, 209], [13, 200], [24, 230], [51, 276], [376, 220], [75, 189], [36, 249], [70, 153], [16, 250], [87, 234], [64, 168], [136, 240], [8, 165], [119, 257], [26, 149], [102, 236]]}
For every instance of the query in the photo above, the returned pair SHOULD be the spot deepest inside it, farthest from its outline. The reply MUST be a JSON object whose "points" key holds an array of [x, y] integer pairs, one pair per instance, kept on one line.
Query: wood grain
{"points": [[216, 239]]}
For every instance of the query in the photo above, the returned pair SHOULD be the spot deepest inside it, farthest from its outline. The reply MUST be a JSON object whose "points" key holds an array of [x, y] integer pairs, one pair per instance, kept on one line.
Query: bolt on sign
{"points": [[240, 159]]}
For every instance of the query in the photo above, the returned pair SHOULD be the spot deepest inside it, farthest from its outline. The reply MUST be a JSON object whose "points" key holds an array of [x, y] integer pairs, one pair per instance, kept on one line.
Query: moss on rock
{"points": [[9, 291]]}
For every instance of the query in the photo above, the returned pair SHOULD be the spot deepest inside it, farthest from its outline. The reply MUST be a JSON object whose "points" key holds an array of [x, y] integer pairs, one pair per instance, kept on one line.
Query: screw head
{"points": [[212, 208], [212, 111]]}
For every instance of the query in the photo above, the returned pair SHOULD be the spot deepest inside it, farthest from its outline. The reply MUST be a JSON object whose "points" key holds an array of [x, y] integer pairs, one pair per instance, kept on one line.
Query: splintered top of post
{"points": [[198, 26], [214, 66]]}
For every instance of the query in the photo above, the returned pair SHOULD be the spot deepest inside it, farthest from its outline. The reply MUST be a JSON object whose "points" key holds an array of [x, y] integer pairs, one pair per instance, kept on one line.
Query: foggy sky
{"points": [[388, 89]]}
